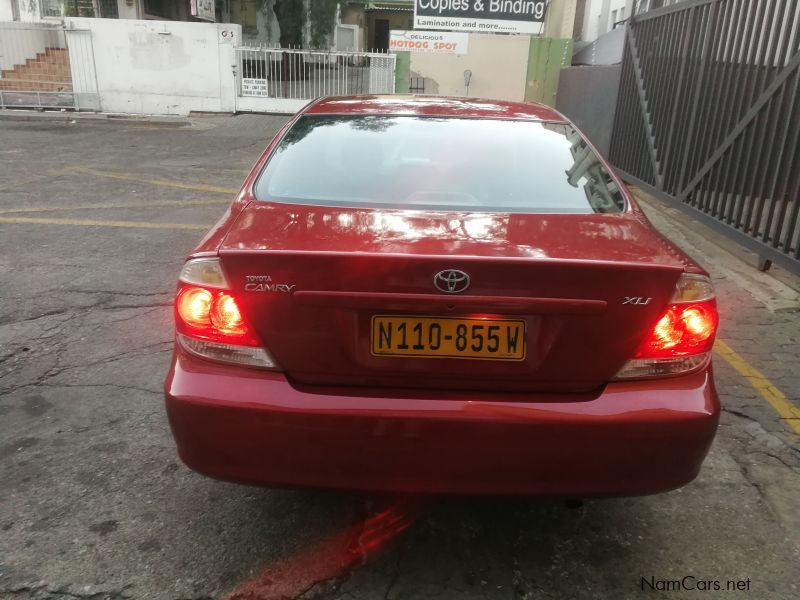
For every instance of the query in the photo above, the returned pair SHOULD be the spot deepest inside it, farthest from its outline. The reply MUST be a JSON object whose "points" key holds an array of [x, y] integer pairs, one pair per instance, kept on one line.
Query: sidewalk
{"points": [[757, 357], [70, 116]]}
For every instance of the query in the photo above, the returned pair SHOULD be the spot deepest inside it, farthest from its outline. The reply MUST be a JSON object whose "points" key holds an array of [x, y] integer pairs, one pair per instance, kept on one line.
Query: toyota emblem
{"points": [[451, 281]]}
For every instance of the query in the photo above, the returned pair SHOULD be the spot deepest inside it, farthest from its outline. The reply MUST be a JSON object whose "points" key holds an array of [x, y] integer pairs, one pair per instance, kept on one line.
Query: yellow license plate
{"points": [[448, 337]]}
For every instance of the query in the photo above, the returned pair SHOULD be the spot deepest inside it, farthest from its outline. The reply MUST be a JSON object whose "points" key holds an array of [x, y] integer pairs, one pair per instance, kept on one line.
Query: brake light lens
{"points": [[683, 330], [194, 306], [226, 316], [682, 338], [209, 320]]}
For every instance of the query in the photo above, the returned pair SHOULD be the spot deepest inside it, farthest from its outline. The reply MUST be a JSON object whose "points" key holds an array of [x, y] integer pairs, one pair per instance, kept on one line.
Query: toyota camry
{"points": [[441, 295]]}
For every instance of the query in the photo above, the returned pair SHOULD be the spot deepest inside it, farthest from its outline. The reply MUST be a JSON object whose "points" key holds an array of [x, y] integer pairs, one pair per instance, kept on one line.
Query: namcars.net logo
{"points": [[690, 583]]}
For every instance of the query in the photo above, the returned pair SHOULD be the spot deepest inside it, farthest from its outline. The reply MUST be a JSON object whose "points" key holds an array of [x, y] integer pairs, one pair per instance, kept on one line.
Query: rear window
{"points": [[477, 165]]}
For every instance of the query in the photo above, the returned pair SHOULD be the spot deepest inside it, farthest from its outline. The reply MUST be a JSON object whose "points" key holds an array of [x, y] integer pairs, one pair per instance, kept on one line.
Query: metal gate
{"points": [[85, 91], [283, 80], [708, 117], [47, 66]]}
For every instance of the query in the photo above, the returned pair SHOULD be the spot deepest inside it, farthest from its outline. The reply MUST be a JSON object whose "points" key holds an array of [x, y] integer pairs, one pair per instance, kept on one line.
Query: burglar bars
{"points": [[708, 117], [307, 74]]}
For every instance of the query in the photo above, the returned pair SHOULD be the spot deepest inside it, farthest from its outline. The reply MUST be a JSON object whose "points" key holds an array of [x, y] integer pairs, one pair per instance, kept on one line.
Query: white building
{"points": [[601, 16], [43, 10], [255, 16]]}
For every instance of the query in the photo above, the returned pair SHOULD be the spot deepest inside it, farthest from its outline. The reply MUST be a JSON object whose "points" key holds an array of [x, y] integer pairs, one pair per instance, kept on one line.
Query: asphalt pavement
{"points": [[96, 217]]}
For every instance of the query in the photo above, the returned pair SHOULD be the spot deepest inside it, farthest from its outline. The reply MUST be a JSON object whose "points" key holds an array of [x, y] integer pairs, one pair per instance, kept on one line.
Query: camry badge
{"points": [[264, 283], [451, 281]]}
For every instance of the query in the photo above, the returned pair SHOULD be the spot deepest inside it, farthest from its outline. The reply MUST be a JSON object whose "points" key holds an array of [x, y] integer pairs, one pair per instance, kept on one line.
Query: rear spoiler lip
{"points": [[678, 268]]}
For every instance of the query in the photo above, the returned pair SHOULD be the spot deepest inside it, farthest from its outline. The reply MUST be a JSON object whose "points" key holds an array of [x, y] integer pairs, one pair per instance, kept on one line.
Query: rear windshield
{"points": [[438, 163]]}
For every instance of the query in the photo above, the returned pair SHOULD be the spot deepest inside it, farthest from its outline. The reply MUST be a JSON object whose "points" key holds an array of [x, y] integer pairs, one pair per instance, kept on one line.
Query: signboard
{"points": [[203, 9], [254, 87], [481, 16], [435, 42]]}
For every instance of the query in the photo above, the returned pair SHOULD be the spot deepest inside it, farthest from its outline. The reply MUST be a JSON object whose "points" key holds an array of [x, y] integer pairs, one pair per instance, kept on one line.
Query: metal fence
{"points": [[708, 117], [45, 65], [307, 74]]}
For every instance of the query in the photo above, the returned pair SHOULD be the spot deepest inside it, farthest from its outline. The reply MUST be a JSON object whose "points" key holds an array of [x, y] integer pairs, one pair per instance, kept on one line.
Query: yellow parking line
{"points": [[782, 405], [50, 174], [112, 205], [158, 182], [243, 172], [160, 127], [92, 223]]}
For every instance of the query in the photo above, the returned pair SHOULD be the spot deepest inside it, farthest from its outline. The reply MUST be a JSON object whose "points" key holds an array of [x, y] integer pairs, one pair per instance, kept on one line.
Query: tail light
{"points": [[682, 338], [209, 320]]}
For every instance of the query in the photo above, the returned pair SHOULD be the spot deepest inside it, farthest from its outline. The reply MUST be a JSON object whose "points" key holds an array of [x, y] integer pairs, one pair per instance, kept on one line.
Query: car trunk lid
{"points": [[311, 280]]}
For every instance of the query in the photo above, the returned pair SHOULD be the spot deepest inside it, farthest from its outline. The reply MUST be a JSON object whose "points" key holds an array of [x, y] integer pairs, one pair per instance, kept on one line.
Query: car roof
{"points": [[439, 106]]}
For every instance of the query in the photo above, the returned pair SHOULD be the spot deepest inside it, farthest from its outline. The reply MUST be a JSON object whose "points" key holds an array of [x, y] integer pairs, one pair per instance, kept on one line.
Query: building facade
{"points": [[47, 10], [601, 16], [359, 24], [256, 17]]}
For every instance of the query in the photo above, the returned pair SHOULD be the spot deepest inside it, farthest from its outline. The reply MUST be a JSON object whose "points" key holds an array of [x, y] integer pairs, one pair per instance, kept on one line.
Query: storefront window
{"points": [[67, 8], [52, 8]]}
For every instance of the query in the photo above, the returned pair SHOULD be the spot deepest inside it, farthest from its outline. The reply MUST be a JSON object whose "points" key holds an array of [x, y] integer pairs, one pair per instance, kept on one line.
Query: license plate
{"points": [[448, 337]]}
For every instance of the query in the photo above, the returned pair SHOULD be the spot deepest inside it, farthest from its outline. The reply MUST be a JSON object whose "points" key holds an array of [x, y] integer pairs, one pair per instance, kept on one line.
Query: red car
{"points": [[441, 295]]}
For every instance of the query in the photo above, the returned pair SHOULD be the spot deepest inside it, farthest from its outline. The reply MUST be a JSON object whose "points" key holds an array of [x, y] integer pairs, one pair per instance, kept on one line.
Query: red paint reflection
{"points": [[331, 557]]}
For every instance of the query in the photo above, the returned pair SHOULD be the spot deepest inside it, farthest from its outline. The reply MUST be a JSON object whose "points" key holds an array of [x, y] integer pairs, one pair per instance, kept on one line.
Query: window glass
{"points": [[438, 163]]}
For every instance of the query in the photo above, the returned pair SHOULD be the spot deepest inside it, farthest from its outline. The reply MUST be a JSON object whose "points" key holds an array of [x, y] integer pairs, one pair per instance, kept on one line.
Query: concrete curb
{"points": [[70, 117]]}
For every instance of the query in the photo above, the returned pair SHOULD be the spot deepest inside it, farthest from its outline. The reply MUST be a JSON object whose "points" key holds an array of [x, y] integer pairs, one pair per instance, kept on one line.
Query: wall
{"points": [[499, 65], [402, 70], [546, 58], [6, 10], [129, 11], [398, 19], [352, 15], [28, 10], [588, 96], [505, 67], [162, 67], [268, 30], [559, 21]]}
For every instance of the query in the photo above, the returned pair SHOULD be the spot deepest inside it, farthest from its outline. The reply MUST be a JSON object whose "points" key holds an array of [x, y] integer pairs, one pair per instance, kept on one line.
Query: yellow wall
{"points": [[560, 19], [498, 63]]}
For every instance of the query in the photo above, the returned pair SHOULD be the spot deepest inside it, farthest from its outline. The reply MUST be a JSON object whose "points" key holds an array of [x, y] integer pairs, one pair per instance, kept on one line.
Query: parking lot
{"points": [[96, 217]]}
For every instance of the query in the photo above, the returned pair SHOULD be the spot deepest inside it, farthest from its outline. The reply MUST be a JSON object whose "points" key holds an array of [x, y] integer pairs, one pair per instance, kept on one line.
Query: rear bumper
{"points": [[254, 427]]}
